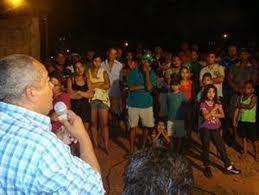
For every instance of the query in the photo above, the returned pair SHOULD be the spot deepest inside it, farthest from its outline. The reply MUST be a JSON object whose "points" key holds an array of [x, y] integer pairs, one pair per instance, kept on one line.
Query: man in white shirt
{"points": [[216, 70]]}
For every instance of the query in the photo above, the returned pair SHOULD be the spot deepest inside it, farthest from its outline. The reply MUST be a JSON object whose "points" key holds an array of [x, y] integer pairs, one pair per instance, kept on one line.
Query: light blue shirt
{"points": [[34, 161], [114, 76]]}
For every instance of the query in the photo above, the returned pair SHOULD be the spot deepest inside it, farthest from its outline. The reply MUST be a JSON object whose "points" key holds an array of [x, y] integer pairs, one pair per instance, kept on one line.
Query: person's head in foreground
{"points": [[25, 82], [154, 171]]}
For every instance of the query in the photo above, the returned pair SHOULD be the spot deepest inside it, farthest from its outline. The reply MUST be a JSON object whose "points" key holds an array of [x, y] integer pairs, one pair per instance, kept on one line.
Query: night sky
{"points": [[100, 23]]}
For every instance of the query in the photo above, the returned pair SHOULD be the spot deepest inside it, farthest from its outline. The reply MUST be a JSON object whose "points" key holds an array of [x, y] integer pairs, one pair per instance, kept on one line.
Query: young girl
{"points": [[160, 137], [98, 81], [186, 84], [175, 123], [186, 87], [245, 118], [206, 79], [212, 112]]}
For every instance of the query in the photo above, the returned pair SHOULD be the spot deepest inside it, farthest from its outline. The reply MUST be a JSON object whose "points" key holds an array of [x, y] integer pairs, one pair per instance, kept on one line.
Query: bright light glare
{"points": [[16, 3], [126, 44], [225, 35]]}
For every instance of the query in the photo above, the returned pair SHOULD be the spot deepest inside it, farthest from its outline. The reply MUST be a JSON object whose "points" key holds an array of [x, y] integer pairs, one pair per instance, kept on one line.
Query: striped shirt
{"points": [[34, 161]]}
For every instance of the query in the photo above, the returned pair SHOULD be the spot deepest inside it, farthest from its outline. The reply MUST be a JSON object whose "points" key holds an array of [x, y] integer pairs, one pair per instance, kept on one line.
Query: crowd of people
{"points": [[140, 90], [162, 94]]}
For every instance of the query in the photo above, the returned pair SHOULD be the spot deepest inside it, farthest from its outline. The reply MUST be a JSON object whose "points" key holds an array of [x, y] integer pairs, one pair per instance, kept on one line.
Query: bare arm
{"points": [[73, 94], [249, 106], [235, 118], [156, 137], [219, 79], [148, 83], [102, 85], [136, 87], [164, 133], [207, 114], [220, 113]]}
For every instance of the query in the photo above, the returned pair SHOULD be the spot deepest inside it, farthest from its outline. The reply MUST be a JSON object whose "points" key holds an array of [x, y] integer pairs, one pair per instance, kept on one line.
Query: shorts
{"points": [[247, 130], [146, 116], [97, 104]]}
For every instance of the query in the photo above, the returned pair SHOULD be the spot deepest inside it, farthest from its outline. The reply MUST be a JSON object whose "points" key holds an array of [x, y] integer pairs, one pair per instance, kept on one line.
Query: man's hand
{"points": [[74, 125]]}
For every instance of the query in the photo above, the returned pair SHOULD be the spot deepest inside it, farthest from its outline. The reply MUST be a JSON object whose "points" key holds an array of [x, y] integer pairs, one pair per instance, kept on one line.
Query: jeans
{"points": [[214, 134]]}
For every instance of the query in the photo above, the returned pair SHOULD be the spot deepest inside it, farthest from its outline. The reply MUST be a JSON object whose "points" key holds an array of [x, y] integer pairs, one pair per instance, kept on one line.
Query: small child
{"points": [[175, 123], [160, 137], [245, 118], [206, 79], [212, 112], [186, 87], [163, 89]]}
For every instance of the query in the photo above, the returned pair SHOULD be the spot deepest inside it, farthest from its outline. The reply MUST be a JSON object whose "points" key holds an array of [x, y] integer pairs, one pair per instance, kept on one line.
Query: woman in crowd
{"points": [[98, 81], [79, 93]]}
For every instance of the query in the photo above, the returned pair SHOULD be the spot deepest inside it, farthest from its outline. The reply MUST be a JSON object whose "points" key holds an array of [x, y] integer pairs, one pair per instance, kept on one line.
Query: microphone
{"points": [[61, 110]]}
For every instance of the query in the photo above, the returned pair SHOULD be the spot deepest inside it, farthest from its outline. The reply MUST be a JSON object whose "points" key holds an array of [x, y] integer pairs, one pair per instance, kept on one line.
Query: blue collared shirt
{"points": [[114, 76], [34, 161]]}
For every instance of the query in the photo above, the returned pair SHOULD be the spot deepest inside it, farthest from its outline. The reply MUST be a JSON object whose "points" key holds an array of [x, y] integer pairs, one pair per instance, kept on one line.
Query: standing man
{"points": [[113, 68], [141, 82], [216, 70], [237, 76], [32, 159]]}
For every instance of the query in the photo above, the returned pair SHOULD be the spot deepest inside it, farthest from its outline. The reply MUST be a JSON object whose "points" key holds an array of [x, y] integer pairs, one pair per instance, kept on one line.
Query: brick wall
{"points": [[20, 35]]}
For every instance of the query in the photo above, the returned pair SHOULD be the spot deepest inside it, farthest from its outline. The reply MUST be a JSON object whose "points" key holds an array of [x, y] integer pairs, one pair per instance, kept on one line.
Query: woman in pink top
{"points": [[59, 95]]}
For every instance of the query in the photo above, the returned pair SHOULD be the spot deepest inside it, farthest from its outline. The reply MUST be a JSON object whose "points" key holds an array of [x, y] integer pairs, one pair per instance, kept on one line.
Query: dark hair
{"points": [[175, 79], [206, 74], [160, 119], [250, 82], [59, 52], [184, 67], [97, 56], [154, 171], [205, 92], [244, 49], [212, 51], [57, 75]]}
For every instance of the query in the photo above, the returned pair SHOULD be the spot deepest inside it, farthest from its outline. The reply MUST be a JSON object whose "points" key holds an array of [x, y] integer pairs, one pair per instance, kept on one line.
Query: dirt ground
{"points": [[220, 184]]}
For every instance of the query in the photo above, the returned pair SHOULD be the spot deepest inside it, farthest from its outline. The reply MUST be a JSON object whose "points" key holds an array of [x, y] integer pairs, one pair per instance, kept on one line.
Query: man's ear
{"points": [[30, 93]]}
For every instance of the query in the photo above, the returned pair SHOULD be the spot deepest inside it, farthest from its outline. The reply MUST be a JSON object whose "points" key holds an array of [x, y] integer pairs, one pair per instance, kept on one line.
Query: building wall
{"points": [[20, 35]]}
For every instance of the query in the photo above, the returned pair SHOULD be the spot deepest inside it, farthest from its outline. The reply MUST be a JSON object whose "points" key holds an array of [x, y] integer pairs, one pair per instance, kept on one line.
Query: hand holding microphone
{"points": [[70, 120], [75, 126], [61, 110]]}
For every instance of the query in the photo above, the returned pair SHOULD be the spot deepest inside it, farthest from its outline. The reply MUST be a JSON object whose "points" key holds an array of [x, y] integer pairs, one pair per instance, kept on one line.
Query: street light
{"points": [[16, 3], [12, 4]]}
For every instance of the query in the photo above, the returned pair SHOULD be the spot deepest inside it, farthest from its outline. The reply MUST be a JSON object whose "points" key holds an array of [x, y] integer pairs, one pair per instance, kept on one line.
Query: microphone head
{"points": [[60, 108]]}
